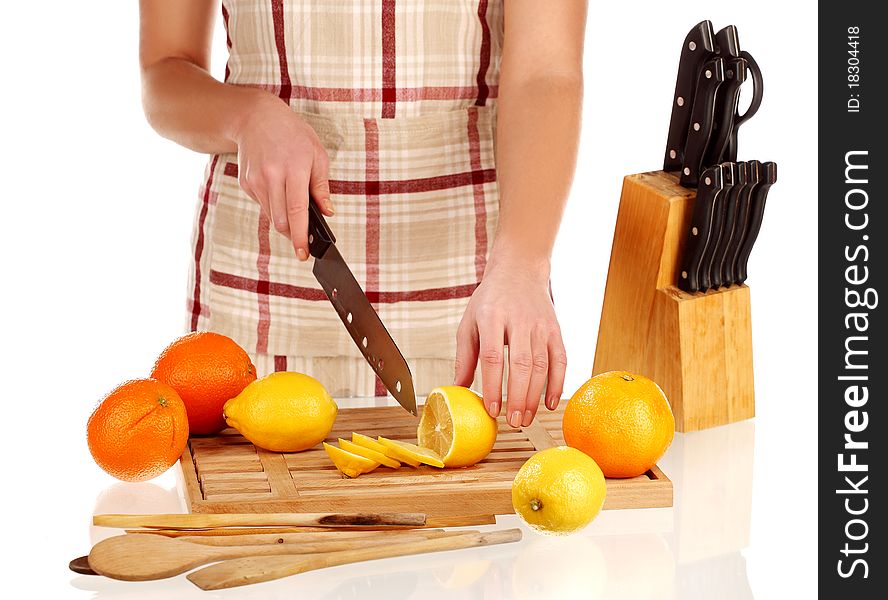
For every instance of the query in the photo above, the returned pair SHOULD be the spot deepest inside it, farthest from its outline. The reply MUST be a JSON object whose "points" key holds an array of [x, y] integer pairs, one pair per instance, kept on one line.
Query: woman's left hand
{"points": [[512, 307]]}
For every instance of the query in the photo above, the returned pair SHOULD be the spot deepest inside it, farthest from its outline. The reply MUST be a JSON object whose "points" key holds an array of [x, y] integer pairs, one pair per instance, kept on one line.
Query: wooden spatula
{"points": [[242, 571], [146, 557], [193, 521], [261, 539]]}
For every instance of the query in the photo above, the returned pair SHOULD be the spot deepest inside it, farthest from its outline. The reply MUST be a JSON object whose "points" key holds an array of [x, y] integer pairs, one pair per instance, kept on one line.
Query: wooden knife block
{"points": [[697, 347]]}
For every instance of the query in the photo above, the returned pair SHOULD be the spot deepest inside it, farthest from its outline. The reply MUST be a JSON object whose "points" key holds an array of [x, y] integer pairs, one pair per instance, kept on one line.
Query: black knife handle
{"points": [[756, 214], [727, 42], [711, 184], [697, 48], [702, 118], [753, 178], [728, 228], [717, 221], [758, 91], [726, 101], [319, 234]]}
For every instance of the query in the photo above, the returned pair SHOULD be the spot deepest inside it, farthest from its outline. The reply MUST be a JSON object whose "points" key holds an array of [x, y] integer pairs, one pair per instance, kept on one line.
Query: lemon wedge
{"points": [[456, 426], [407, 452], [348, 463], [368, 453]]}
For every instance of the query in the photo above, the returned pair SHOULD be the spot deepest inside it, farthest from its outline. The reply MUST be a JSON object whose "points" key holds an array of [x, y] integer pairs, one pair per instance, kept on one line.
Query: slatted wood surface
{"points": [[227, 474]]}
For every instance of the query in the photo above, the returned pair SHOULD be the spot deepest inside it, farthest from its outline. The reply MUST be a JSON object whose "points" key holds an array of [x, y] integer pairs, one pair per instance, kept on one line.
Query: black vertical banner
{"points": [[853, 269]]}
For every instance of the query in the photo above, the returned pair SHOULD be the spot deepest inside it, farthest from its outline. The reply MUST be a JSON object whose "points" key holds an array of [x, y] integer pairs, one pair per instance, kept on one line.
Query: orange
{"points": [[621, 420], [139, 430], [207, 370]]}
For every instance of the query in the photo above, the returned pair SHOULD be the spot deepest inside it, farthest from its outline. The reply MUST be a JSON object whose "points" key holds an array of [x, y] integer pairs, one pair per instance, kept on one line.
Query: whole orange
{"points": [[139, 430], [207, 370], [621, 420]]}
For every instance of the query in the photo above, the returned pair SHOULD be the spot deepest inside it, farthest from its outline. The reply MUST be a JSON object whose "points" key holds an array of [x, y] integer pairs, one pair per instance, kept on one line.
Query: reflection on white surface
{"points": [[692, 550]]}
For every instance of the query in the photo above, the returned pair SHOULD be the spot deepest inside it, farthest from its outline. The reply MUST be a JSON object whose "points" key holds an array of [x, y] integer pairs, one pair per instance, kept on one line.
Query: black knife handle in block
{"points": [[758, 91], [717, 223], [728, 228], [727, 42], [726, 101], [697, 48], [702, 119], [711, 184], [319, 234], [753, 178], [756, 214]]}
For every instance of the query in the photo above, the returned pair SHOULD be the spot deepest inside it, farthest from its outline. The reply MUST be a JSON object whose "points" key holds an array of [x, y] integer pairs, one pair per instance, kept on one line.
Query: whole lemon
{"points": [[620, 419], [558, 490], [282, 412]]}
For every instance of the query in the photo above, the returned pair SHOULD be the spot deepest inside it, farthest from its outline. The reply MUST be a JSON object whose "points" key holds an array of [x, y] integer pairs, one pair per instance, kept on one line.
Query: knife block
{"points": [[696, 346]]}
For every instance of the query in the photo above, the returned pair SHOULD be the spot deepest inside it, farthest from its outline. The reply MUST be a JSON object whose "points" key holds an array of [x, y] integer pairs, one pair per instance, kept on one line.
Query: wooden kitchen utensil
{"points": [[334, 520], [233, 573], [148, 557], [696, 346], [262, 539]]}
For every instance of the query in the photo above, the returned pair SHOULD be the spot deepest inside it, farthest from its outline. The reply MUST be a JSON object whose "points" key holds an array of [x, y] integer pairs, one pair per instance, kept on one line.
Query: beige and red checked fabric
{"points": [[402, 94]]}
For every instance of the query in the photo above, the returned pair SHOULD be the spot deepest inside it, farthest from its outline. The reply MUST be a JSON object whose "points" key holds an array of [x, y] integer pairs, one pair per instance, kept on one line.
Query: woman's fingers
{"points": [[297, 212], [490, 354], [539, 353], [557, 369], [520, 369], [466, 352], [319, 185]]}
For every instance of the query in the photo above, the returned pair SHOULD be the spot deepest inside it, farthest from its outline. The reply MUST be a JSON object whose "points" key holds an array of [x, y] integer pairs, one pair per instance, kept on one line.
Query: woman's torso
{"points": [[402, 94]]}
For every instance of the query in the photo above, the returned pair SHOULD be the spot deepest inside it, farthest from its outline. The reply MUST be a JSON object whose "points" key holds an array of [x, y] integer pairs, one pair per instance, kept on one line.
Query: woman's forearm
{"points": [[538, 124], [186, 104]]}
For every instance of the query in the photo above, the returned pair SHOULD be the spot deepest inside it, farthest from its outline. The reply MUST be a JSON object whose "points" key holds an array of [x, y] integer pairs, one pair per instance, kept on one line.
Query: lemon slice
{"points": [[368, 442], [456, 426], [405, 450], [349, 464], [368, 453]]}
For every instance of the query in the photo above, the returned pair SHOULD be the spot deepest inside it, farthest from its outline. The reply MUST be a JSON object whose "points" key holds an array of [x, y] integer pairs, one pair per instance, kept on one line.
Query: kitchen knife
{"points": [[753, 178], [729, 176], [758, 89], [728, 226], [756, 213], [356, 312], [711, 186], [702, 120], [697, 48], [727, 45]]}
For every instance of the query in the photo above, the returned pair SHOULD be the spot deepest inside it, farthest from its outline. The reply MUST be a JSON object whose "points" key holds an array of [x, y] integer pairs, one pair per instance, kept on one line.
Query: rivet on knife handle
{"points": [[697, 48]]}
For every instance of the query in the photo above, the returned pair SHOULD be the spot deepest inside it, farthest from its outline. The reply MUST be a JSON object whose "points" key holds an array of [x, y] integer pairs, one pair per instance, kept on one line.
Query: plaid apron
{"points": [[402, 95]]}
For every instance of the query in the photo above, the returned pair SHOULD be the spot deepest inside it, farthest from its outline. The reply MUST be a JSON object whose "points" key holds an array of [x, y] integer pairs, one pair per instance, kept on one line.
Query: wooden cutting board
{"points": [[225, 473]]}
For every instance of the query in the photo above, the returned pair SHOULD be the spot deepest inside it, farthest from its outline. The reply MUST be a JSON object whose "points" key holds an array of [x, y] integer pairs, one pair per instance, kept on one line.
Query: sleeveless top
{"points": [[402, 94]]}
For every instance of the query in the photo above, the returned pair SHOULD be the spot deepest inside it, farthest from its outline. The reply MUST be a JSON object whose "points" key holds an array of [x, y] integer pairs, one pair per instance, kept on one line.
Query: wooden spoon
{"points": [[261, 539], [242, 571], [197, 521], [146, 557]]}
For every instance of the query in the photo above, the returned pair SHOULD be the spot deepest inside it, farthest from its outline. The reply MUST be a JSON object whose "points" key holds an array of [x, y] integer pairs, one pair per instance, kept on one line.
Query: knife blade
{"points": [[711, 186], [697, 48], [702, 120], [729, 175], [728, 227], [756, 214], [758, 89], [753, 178], [356, 313]]}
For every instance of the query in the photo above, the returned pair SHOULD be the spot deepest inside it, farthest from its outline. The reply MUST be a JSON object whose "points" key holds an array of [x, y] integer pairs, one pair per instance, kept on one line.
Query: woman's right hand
{"points": [[281, 165]]}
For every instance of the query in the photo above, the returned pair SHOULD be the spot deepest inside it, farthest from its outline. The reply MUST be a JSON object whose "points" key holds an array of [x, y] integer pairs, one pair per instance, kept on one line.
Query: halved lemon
{"points": [[405, 451], [456, 426], [368, 453], [348, 463]]}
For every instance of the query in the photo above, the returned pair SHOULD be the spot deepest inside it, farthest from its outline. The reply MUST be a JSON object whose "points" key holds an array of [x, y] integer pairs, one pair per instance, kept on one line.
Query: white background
{"points": [[96, 225]]}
